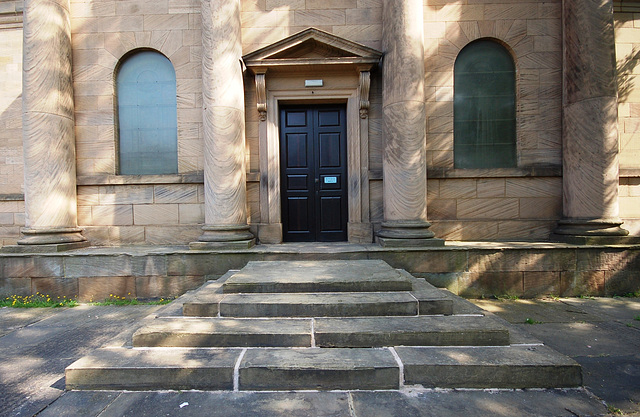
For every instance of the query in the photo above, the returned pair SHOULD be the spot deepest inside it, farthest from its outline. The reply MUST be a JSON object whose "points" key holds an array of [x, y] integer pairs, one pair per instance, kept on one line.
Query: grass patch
{"points": [[628, 295], [505, 297], [637, 318], [532, 321], [115, 300], [614, 410], [37, 300]]}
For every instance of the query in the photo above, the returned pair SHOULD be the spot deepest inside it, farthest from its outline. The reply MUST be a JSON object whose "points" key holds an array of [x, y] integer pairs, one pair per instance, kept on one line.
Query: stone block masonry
{"points": [[470, 270]]}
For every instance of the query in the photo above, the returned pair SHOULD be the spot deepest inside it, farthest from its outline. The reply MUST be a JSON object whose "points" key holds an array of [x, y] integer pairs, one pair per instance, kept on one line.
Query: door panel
{"points": [[329, 150], [297, 150], [313, 173]]}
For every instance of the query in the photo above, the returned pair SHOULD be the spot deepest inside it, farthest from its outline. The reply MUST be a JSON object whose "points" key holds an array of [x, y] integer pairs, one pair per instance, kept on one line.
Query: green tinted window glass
{"points": [[147, 115], [484, 107]]}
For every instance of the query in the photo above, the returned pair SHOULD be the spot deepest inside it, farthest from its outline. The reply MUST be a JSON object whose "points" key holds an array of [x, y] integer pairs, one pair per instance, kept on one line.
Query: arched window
{"points": [[484, 107], [147, 115]]}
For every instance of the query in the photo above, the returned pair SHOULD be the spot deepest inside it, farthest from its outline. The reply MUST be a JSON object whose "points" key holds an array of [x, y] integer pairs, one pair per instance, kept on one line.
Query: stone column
{"points": [[48, 128], [404, 127], [590, 117], [223, 123]]}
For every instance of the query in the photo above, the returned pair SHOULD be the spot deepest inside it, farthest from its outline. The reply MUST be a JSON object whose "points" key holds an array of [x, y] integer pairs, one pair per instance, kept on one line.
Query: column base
{"points": [[52, 236], [45, 248], [359, 232], [592, 232], [224, 237], [407, 233], [270, 233]]}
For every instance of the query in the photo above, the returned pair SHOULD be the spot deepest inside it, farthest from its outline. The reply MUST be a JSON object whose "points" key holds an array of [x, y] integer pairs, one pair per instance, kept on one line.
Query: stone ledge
{"points": [[111, 179], [12, 197]]}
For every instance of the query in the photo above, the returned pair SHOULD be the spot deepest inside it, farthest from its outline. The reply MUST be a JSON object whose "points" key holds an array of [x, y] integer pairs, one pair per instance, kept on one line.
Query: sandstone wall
{"points": [[627, 30], [11, 173], [129, 210], [521, 203]]}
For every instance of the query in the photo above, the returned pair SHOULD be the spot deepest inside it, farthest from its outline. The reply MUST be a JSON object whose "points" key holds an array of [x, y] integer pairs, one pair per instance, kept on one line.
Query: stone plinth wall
{"points": [[627, 32], [11, 165], [471, 271]]}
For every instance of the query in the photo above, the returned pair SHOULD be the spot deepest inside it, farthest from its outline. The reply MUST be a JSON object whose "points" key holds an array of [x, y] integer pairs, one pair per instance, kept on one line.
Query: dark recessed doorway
{"points": [[313, 169]]}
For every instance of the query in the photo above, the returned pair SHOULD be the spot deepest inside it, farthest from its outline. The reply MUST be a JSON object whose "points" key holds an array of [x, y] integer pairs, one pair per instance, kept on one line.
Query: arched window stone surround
{"points": [[147, 119], [538, 97], [484, 106]]}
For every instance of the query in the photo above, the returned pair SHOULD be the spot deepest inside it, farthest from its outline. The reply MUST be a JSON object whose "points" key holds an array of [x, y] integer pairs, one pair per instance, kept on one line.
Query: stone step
{"points": [[223, 332], [207, 303], [409, 331], [318, 369], [154, 369], [314, 276], [328, 332], [513, 367], [343, 304], [510, 367]]}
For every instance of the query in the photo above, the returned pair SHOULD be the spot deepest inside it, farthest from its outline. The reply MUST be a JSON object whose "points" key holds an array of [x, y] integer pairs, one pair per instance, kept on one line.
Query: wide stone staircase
{"points": [[322, 325]]}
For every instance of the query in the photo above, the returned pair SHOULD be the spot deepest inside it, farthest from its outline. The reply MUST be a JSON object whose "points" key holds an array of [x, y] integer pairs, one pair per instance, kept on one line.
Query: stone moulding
{"points": [[324, 55]]}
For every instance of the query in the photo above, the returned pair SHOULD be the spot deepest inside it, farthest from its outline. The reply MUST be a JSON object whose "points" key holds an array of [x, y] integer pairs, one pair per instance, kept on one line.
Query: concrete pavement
{"points": [[602, 334]]}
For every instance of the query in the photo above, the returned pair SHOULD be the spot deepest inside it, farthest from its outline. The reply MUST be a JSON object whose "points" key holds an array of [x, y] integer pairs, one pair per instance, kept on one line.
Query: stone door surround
{"points": [[281, 72]]}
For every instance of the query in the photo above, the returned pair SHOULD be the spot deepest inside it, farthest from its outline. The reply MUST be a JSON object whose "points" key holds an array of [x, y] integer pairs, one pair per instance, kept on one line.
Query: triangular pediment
{"points": [[312, 46]]}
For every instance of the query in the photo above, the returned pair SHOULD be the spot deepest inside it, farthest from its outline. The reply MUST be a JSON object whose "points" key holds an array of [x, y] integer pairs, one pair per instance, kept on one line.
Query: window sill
{"points": [[106, 179], [524, 171], [629, 172], [11, 197], [110, 179]]}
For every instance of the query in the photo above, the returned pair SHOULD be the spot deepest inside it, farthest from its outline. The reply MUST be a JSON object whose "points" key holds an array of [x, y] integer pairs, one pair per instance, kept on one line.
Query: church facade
{"points": [[405, 122]]}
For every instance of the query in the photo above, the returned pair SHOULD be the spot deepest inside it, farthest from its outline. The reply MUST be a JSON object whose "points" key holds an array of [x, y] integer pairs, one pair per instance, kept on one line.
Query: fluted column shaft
{"points": [[590, 113], [223, 124], [48, 126], [404, 125]]}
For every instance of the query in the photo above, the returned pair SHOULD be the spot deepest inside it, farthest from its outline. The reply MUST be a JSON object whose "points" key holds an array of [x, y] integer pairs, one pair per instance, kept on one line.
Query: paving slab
{"points": [[12, 319], [488, 367], [477, 403], [614, 378], [608, 353], [140, 369], [214, 404], [405, 403], [316, 276], [33, 358], [618, 308], [321, 369], [604, 341], [587, 339], [80, 403], [543, 310], [409, 331], [224, 332], [342, 304]]}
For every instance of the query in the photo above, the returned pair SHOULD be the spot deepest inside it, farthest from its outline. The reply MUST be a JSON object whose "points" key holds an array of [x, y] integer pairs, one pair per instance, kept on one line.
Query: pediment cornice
{"points": [[312, 47]]}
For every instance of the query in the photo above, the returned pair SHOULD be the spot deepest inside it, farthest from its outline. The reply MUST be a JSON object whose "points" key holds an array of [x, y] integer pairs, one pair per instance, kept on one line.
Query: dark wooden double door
{"points": [[313, 154]]}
